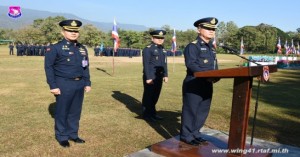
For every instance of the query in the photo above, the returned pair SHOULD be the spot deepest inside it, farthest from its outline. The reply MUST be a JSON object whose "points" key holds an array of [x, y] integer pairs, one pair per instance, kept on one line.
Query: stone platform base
{"points": [[173, 147], [219, 139]]}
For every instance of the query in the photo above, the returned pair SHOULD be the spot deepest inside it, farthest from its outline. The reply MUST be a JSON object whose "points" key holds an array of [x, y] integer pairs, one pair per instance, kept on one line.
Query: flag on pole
{"points": [[286, 47], [242, 47], [174, 42], [293, 47], [298, 51], [115, 36], [279, 46]]}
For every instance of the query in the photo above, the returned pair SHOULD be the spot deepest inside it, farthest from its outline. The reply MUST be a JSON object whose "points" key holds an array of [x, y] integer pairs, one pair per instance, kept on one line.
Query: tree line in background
{"points": [[259, 39]]}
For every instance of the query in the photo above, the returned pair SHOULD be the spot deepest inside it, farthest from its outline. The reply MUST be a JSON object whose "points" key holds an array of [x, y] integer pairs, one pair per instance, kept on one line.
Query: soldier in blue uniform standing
{"points": [[155, 71], [67, 72], [197, 93], [11, 49]]}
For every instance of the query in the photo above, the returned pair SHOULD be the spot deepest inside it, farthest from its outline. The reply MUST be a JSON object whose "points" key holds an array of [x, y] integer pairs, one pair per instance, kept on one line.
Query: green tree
{"points": [[270, 36], [29, 35], [221, 32], [230, 37], [130, 38], [90, 35], [50, 31], [252, 38]]}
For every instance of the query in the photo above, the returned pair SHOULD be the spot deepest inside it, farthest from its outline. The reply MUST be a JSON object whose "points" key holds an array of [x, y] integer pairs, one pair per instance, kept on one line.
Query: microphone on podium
{"points": [[228, 48]]}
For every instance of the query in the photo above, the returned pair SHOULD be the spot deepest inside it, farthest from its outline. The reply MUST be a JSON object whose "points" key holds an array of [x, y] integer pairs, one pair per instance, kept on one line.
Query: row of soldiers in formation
{"points": [[29, 49], [40, 50], [128, 52]]}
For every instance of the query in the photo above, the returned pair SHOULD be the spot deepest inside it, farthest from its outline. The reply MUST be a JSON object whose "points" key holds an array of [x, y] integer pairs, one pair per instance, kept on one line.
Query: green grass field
{"points": [[110, 121]]}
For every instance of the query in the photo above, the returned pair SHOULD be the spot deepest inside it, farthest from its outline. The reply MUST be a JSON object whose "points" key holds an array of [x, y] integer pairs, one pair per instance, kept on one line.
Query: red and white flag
{"points": [[287, 48], [279, 46], [115, 36], [242, 47]]}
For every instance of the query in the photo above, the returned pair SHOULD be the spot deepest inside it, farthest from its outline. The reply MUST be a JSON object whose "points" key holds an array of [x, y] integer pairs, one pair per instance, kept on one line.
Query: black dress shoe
{"points": [[156, 117], [201, 140], [78, 140], [64, 144], [193, 142]]}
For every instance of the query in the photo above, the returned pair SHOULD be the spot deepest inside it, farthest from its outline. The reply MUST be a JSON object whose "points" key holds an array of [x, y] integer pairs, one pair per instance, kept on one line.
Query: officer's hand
{"points": [[87, 88], [165, 79], [55, 91], [149, 81]]}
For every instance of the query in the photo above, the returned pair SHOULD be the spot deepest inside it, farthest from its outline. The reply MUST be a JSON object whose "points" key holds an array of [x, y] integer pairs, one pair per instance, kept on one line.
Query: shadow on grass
{"points": [[167, 128], [51, 109], [104, 71], [284, 95], [285, 130]]}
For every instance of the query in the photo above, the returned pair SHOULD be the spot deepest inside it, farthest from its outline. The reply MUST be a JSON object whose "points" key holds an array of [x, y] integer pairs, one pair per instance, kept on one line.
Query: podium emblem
{"points": [[266, 74]]}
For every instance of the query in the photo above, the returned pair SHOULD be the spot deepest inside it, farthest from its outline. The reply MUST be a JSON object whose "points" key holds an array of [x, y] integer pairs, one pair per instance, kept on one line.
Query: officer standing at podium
{"points": [[155, 71], [67, 72], [197, 93]]}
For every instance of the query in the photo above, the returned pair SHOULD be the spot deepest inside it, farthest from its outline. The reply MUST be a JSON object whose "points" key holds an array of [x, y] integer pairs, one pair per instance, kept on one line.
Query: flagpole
{"points": [[115, 37], [173, 61], [173, 48], [113, 61]]}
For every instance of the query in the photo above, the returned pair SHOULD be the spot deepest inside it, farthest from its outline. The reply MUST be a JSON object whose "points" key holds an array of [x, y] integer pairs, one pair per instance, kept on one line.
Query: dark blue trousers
{"points": [[197, 96], [68, 108], [150, 96]]}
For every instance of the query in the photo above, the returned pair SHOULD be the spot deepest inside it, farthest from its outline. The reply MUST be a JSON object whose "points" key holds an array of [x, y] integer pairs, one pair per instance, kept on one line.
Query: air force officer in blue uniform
{"points": [[67, 72], [197, 93], [155, 71]]}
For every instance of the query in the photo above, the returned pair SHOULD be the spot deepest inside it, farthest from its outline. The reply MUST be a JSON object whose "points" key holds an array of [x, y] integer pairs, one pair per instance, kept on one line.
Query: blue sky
{"points": [[179, 14]]}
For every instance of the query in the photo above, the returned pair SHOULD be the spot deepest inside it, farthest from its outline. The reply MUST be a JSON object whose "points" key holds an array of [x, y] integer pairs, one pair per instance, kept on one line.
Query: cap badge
{"points": [[213, 21], [161, 33], [73, 23]]}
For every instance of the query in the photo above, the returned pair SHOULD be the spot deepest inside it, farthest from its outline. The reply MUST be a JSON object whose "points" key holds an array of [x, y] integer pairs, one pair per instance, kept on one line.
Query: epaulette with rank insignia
{"points": [[195, 42]]}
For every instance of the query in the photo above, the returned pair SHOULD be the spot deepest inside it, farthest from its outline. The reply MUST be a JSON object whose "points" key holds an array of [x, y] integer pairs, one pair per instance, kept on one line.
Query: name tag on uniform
{"points": [[203, 49], [82, 51], [71, 53]]}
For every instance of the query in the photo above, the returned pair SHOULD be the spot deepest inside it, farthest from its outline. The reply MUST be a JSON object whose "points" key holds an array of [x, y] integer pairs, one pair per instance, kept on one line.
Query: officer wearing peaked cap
{"points": [[70, 25], [197, 92], [158, 34], [155, 71], [209, 22], [67, 72]]}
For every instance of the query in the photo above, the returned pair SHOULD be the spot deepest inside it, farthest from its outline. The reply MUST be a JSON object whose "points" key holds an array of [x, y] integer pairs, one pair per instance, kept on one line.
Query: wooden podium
{"points": [[242, 90]]}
